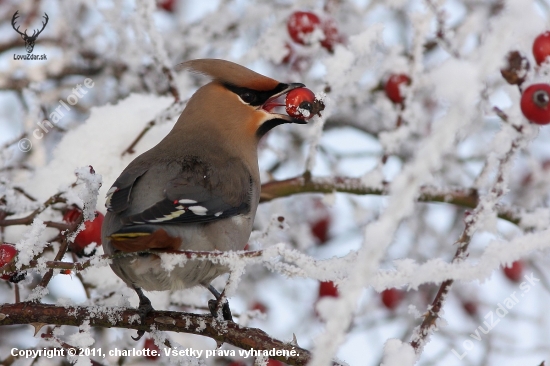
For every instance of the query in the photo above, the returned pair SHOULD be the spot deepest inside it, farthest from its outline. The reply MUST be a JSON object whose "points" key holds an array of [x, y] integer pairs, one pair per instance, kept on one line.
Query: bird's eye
{"points": [[248, 97]]}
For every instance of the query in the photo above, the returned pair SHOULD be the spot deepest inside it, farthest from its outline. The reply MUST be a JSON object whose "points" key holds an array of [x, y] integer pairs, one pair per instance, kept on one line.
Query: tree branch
{"points": [[80, 266], [204, 325], [27, 220], [463, 197]]}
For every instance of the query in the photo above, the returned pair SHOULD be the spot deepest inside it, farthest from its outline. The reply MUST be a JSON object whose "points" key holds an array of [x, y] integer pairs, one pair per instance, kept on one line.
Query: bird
{"points": [[198, 189]]}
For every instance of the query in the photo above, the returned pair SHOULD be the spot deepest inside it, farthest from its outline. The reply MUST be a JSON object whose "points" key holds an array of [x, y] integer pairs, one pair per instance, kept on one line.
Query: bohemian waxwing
{"points": [[199, 188]]}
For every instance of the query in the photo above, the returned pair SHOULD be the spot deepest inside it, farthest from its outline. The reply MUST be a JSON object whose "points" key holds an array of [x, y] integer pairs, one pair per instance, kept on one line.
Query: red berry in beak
{"points": [[299, 103]]}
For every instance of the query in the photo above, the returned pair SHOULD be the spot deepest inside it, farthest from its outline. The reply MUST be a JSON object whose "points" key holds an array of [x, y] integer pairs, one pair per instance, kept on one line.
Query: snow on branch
{"points": [[40, 315]]}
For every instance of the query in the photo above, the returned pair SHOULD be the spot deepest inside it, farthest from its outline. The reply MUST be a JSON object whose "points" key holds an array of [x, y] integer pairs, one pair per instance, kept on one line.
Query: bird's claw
{"points": [[226, 312], [144, 309], [140, 334]]}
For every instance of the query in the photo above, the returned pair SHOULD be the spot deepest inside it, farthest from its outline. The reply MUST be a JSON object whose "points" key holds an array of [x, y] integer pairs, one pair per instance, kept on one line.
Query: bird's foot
{"points": [[214, 305], [144, 308], [226, 312]]}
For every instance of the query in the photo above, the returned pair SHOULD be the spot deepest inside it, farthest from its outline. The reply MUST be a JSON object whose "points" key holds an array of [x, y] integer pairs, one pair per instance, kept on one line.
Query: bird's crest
{"points": [[227, 72]]}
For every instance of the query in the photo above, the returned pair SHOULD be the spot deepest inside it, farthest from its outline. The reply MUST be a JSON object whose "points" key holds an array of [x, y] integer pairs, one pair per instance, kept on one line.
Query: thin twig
{"points": [[81, 266], [428, 324], [62, 250], [27, 220]]}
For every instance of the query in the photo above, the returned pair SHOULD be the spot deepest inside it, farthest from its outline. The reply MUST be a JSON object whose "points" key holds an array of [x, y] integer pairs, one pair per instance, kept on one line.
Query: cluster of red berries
{"points": [[306, 28], [391, 298], [90, 234], [513, 273], [535, 100], [302, 26]]}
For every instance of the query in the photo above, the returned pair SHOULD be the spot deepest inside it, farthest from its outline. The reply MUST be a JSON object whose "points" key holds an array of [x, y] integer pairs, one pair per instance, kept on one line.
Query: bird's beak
{"points": [[272, 103]]}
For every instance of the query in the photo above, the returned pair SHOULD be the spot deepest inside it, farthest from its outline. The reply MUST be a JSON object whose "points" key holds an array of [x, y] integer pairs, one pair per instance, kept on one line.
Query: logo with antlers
{"points": [[29, 40]]}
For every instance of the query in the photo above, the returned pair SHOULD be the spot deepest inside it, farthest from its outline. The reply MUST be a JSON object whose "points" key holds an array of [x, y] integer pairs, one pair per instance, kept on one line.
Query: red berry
{"points": [[90, 233], [528, 178], [541, 47], [301, 24], [154, 351], [320, 223], [72, 214], [515, 272], [393, 87], [259, 306], [320, 229], [167, 5], [391, 298], [289, 54], [327, 288], [535, 102], [272, 362], [66, 272], [299, 103], [7, 253], [332, 36], [470, 307]]}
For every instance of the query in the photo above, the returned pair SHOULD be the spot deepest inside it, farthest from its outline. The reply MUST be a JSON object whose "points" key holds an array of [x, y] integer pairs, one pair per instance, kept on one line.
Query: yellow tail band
{"points": [[127, 236]]}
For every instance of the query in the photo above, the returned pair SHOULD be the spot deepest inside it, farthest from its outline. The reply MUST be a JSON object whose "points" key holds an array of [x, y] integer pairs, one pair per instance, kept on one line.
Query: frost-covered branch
{"points": [[27, 220], [463, 197], [204, 325], [473, 222]]}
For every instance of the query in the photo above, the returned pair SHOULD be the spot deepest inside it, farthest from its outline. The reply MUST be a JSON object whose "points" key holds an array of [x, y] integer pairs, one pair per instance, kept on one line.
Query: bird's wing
{"points": [[118, 196], [198, 193]]}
